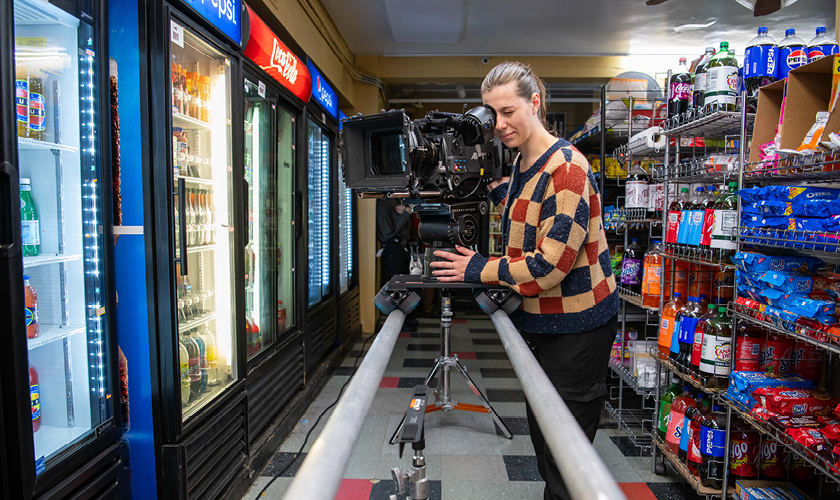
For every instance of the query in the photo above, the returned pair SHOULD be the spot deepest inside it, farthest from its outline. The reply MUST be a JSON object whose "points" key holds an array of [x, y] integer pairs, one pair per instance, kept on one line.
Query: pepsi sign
{"points": [[322, 92], [223, 14]]}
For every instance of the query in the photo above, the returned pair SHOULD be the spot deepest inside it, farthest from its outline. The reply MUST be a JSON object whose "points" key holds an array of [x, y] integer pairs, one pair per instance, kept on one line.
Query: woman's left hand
{"points": [[454, 268]]}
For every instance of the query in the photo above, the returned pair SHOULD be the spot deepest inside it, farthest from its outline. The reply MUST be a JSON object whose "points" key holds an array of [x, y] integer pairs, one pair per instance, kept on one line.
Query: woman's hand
{"points": [[454, 268], [501, 180]]}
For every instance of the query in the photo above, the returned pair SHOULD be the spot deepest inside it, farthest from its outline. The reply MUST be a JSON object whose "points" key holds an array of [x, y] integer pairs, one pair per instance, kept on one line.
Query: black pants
{"points": [[577, 366]]}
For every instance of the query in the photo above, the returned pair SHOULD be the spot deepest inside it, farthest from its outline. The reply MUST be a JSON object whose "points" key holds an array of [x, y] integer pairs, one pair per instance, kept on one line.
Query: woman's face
{"points": [[515, 116]]}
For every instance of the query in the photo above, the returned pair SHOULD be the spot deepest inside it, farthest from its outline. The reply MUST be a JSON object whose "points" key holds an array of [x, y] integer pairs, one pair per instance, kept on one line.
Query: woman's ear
{"points": [[535, 103]]}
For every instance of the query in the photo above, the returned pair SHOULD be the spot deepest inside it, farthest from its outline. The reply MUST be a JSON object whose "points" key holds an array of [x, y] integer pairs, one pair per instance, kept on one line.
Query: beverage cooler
{"points": [[349, 314], [59, 378]]}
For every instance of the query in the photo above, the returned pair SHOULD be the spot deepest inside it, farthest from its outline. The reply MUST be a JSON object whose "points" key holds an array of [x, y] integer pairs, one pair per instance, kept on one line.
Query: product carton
{"points": [[761, 490], [809, 90], [767, 116]]}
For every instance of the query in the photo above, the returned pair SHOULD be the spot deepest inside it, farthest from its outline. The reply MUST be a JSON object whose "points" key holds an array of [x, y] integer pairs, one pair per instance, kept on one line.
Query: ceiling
{"points": [[561, 27]]}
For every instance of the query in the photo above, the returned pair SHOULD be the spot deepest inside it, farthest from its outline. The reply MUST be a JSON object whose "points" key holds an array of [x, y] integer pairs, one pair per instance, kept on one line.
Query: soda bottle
{"points": [[722, 81], [22, 99], [194, 360], [256, 335], [726, 219], [771, 465], [689, 315], [802, 475], [681, 272], [792, 53], [708, 223], [715, 360], [699, 330], [694, 459], [248, 337], [809, 361], [34, 399], [685, 438], [212, 355], [675, 425], [185, 372], [30, 299], [760, 62], [698, 211], [723, 284], [637, 191], [30, 226], [631, 267], [652, 285], [281, 317], [678, 330], [700, 78], [665, 406], [668, 325], [743, 451], [37, 109], [777, 356], [750, 344], [680, 90], [821, 46], [713, 448], [202, 360], [675, 211]]}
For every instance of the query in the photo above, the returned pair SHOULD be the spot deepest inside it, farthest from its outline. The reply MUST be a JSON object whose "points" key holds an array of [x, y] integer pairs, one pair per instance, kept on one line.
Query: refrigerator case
{"points": [[62, 245], [320, 213]]}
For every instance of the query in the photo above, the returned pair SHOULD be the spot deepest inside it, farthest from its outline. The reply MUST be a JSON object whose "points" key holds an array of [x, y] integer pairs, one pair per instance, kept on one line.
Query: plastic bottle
{"points": [[681, 272], [675, 425], [652, 275], [699, 330], [694, 459], [194, 365], [697, 216], [679, 337], [700, 78], [684, 233], [749, 343], [713, 448], [631, 267], [743, 451], [821, 46], [722, 81], [679, 93], [30, 299], [637, 191], [726, 219], [667, 324], [809, 361], [708, 223], [760, 60], [37, 109], [675, 210], [202, 360], [22, 99], [665, 406], [185, 372], [685, 438], [802, 475], [716, 358], [34, 399], [212, 354], [793, 53], [30, 226], [281, 317], [723, 285], [772, 465], [777, 356]]}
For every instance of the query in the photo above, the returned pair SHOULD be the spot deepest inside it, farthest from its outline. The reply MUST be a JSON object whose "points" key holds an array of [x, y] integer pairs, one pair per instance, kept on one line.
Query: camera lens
{"points": [[387, 153]]}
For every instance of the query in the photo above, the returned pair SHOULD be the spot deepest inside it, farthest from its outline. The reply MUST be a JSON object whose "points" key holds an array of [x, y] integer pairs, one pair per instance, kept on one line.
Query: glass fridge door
{"points": [[58, 101], [204, 227], [319, 213], [345, 232]]}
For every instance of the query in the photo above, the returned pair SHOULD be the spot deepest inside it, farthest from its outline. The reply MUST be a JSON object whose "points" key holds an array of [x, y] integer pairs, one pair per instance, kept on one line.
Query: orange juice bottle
{"points": [[666, 327]]}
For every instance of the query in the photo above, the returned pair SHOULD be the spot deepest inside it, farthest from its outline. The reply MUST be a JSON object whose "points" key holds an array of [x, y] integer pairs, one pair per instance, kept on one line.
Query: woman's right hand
{"points": [[501, 180]]}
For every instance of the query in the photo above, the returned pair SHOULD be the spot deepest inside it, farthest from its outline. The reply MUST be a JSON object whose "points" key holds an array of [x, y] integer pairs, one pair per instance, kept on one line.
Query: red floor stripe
{"points": [[389, 382], [636, 491], [354, 489], [466, 355], [459, 321], [405, 335]]}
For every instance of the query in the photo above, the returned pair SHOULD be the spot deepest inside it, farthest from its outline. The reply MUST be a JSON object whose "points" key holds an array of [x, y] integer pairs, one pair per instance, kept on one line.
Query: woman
{"points": [[556, 257]]}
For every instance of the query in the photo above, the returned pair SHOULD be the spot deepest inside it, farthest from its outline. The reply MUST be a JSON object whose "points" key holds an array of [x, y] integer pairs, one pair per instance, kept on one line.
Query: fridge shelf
{"points": [[712, 123], [694, 255], [776, 434], [817, 244], [634, 298], [51, 439], [202, 248], [194, 180], [197, 404], [189, 123], [817, 167], [630, 379], [795, 331], [43, 260], [698, 381], [189, 325], [690, 477], [51, 333], [26, 143]]}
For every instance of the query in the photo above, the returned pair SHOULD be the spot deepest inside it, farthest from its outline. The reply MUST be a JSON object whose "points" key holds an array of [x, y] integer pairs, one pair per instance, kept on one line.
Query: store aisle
{"points": [[467, 457]]}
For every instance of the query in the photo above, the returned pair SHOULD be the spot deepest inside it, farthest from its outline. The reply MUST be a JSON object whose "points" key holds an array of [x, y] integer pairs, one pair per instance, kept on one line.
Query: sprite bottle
{"points": [[721, 81], [30, 227]]}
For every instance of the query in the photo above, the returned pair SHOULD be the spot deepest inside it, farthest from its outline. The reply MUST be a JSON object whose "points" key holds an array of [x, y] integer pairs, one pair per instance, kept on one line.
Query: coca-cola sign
{"points": [[272, 55]]}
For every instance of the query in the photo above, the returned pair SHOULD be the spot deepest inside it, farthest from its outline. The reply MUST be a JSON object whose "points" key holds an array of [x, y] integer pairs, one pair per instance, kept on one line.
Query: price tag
{"points": [[261, 89], [176, 34]]}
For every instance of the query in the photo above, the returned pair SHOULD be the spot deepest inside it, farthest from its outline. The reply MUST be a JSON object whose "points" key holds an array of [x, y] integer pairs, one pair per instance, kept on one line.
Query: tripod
{"points": [[444, 364]]}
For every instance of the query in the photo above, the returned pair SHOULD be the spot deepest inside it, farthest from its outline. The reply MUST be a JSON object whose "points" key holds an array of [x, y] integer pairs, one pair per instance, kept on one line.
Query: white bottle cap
{"points": [[24, 180]]}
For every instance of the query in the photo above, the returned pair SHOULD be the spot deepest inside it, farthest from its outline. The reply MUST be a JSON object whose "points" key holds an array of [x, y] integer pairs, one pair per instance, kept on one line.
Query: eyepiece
{"points": [[476, 126]]}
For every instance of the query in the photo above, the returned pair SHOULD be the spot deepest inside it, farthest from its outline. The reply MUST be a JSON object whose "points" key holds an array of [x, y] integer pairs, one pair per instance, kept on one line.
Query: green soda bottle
{"points": [[30, 228], [721, 80], [665, 406]]}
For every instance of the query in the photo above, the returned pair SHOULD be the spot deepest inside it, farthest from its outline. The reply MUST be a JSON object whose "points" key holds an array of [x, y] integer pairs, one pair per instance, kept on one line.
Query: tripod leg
{"points": [[484, 401], [429, 378]]}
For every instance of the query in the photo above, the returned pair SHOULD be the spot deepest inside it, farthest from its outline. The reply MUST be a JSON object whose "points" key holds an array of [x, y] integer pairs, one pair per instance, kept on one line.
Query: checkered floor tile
{"points": [[467, 455]]}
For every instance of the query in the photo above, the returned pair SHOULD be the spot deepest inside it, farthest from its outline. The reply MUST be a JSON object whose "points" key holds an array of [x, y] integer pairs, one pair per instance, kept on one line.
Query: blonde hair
{"points": [[526, 81]]}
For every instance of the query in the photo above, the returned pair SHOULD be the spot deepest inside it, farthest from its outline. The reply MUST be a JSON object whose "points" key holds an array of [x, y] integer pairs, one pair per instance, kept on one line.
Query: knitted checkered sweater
{"points": [[556, 255]]}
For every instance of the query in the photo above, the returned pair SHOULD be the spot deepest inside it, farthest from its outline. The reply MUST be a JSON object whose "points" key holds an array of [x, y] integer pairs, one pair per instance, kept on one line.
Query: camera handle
{"points": [[414, 481]]}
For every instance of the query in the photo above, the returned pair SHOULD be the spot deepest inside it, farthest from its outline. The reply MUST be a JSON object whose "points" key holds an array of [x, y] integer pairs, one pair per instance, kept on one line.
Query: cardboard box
{"points": [[742, 491], [808, 91], [767, 116]]}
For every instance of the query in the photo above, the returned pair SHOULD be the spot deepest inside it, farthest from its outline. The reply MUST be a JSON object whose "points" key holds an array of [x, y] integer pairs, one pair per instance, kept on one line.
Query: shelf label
{"points": [[176, 34], [100, 311], [40, 465], [261, 89]]}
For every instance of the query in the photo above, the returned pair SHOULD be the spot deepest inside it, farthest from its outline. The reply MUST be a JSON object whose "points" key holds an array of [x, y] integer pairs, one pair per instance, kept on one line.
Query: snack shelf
{"points": [[817, 244], [693, 171], [691, 478], [637, 423], [816, 167], [694, 255], [633, 298], [26, 143], [693, 379], [776, 434], [189, 325], [707, 123], [793, 330], [51, 333], [630, 379]]}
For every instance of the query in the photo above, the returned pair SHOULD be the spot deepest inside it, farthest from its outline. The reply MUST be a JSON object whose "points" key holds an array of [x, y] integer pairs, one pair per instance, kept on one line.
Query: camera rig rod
{"points": [[320, 474], [585, 475]]}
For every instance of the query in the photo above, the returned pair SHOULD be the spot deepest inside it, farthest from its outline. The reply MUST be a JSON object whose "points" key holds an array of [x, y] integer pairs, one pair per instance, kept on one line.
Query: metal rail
{"points": [[585, 475], [320, 474]]}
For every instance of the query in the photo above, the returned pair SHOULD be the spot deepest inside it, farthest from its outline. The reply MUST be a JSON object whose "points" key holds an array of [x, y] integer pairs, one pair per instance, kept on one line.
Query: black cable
{"points": [[305, 439]]}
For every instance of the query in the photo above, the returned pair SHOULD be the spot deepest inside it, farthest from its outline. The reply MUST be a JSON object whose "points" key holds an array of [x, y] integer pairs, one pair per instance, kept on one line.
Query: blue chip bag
{"points": [[747, 382], [748, 279], [815, 208], [754, 262], [801, 194], [776, 313], [768, 208], [812, 225], [819, 310], [789, 282], [755, 195], [743, 399], [751, 293]]}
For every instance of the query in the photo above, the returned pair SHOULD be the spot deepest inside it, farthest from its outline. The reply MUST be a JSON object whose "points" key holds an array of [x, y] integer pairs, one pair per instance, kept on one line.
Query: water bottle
{"points": [[792, 53], [821, 46], [760, 62]]}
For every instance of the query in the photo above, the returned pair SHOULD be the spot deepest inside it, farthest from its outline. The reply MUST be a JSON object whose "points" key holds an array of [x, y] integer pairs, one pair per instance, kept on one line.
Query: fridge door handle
{"points": [[182, 224], [247, 188], [10, 198], [298, 213]]}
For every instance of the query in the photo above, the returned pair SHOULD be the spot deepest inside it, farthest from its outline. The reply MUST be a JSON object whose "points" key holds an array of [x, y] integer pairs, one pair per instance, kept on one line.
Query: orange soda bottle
{"points": [[666, 327], [651, 285], [31, 304]]}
